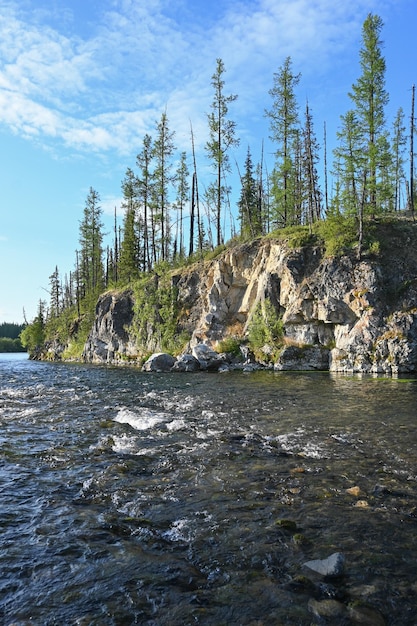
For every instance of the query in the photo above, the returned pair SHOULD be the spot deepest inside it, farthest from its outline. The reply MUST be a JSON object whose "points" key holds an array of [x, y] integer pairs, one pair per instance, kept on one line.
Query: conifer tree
{"points": [[144, 185], [222, 137], [163, 150], [284, 126], [55, 293], [370, 98], [248, 204], [91, 270], [398, 143], [310, 157], [129, 251], [183, 192], [349, 165]]}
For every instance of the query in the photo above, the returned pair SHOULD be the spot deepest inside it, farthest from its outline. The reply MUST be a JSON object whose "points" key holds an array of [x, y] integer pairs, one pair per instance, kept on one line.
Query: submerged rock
{"points": [[331, 567], [328, 609], [365, 615]]}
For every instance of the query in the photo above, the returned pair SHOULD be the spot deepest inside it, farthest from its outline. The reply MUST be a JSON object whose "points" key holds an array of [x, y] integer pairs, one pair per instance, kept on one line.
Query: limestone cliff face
{"points": [[339, 314]]}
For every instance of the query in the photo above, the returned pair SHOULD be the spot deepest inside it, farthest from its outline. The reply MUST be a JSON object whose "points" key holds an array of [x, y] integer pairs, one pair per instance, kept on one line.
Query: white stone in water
{"points": [[332, 566]]}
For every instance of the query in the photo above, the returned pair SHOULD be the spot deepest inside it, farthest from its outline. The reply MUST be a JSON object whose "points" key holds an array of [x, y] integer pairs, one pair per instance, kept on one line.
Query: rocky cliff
{"points": [[341, 314]]}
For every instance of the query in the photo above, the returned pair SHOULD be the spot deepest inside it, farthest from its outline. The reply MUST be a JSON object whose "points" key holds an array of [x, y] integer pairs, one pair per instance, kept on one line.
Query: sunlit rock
{"points": [[159, 362], [333, 566]]}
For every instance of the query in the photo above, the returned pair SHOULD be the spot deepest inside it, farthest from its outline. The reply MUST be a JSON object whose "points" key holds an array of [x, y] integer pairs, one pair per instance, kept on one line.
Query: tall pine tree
{"points": [[370, 98], [222, 137], [91, 268], [284, 126]]}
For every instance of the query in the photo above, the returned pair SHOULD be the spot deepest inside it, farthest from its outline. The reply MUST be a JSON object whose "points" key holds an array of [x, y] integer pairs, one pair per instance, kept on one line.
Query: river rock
{"points": [[186, 363], [328, 609], [159, 362], [365, 615], [331, 567], [207, 358]]}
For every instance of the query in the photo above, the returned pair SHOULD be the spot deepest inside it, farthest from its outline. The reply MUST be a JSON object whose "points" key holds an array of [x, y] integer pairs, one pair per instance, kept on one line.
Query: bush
{"points": [[230, 345], [265, 328]]}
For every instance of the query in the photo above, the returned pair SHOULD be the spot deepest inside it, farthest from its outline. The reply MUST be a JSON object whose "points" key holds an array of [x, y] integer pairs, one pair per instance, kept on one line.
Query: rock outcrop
{"points": [[340, 314], [110, 340]]}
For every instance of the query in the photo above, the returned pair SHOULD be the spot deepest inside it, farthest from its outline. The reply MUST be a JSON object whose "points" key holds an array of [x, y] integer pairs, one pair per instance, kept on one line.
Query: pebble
{"points": [[362, 504], [354, 491]]}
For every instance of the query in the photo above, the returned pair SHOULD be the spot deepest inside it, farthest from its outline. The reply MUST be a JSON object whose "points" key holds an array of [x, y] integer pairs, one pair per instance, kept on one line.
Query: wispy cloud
{"points": [[105, 90]]}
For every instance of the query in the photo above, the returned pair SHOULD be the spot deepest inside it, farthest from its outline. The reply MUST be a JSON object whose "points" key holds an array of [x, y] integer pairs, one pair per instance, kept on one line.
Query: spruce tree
{"points": [[183, 193], [163, 150], [284, 126], [129, 251], [222, 137], [248, 204], [144, 184], [91, 269], [55, 293], [399, 141], [310, 156], [370, 98]]}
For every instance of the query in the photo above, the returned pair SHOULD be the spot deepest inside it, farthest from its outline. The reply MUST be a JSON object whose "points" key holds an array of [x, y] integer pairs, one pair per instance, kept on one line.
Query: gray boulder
{"points": [[208, 358], [159, 362], [186, 363]]}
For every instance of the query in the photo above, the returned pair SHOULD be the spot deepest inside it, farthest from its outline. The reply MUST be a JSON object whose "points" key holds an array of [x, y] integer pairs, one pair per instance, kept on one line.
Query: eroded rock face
{"points": [[339, 314], [109, 340]]}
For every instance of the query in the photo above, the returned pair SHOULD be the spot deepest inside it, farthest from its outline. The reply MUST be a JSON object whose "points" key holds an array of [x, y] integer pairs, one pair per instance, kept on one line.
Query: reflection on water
{"points": [[130, 498]]}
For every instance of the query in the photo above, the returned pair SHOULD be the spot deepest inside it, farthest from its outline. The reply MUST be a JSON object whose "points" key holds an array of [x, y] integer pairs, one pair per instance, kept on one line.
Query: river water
{"points": [[158, 499]]}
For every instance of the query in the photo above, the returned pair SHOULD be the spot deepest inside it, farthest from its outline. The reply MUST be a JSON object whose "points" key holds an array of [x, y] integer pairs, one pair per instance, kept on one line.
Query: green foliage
{"points": [[10, 345], [212, 254], [32, 336], [296, 236], [249, 203], [338, 233], [11, 330], [265, 328], [230, 345], [155, 321], [78, 335]]}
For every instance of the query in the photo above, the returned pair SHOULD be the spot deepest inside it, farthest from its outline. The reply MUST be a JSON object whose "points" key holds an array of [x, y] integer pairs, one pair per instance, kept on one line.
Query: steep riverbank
{"points": [[337, 313]]}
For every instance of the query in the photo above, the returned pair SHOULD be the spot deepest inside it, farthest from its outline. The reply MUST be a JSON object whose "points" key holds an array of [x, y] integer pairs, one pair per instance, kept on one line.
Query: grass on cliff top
{"points": [[338, 235]]}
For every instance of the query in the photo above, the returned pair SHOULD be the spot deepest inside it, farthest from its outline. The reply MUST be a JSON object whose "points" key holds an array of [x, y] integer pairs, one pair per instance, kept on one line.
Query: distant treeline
{"points": [[9, 337]]}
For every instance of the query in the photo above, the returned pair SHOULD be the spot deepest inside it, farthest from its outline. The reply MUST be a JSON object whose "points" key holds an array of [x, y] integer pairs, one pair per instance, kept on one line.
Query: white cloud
{"points": [[104, 92]]}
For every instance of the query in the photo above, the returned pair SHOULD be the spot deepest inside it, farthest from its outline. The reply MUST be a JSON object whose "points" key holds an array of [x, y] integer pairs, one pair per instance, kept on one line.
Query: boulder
{"points": [[159, 362], [302, 359], [328, 609], [186, 363], [331, 567], [207, 358]]}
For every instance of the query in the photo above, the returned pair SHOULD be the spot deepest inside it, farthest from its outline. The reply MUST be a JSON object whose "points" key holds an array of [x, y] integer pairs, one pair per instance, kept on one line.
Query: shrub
{"points": [[231, 345], [265, 328]]}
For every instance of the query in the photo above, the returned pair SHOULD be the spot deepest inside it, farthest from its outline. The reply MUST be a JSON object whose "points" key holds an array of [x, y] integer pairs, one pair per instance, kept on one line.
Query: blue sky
{"points": [[82, 81]]}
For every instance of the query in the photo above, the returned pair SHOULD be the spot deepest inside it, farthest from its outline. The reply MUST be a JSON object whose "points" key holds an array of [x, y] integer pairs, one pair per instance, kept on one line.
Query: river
{"points": [[159, 499]]}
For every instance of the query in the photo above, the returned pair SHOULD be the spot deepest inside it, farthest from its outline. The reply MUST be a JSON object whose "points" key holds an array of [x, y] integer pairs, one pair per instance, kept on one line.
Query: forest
{"points": [[168, 222], [9, 337]]}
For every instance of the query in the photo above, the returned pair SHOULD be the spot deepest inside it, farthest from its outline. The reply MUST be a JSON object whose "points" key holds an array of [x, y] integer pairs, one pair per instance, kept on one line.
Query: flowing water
{"points": [[158, 499]]}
